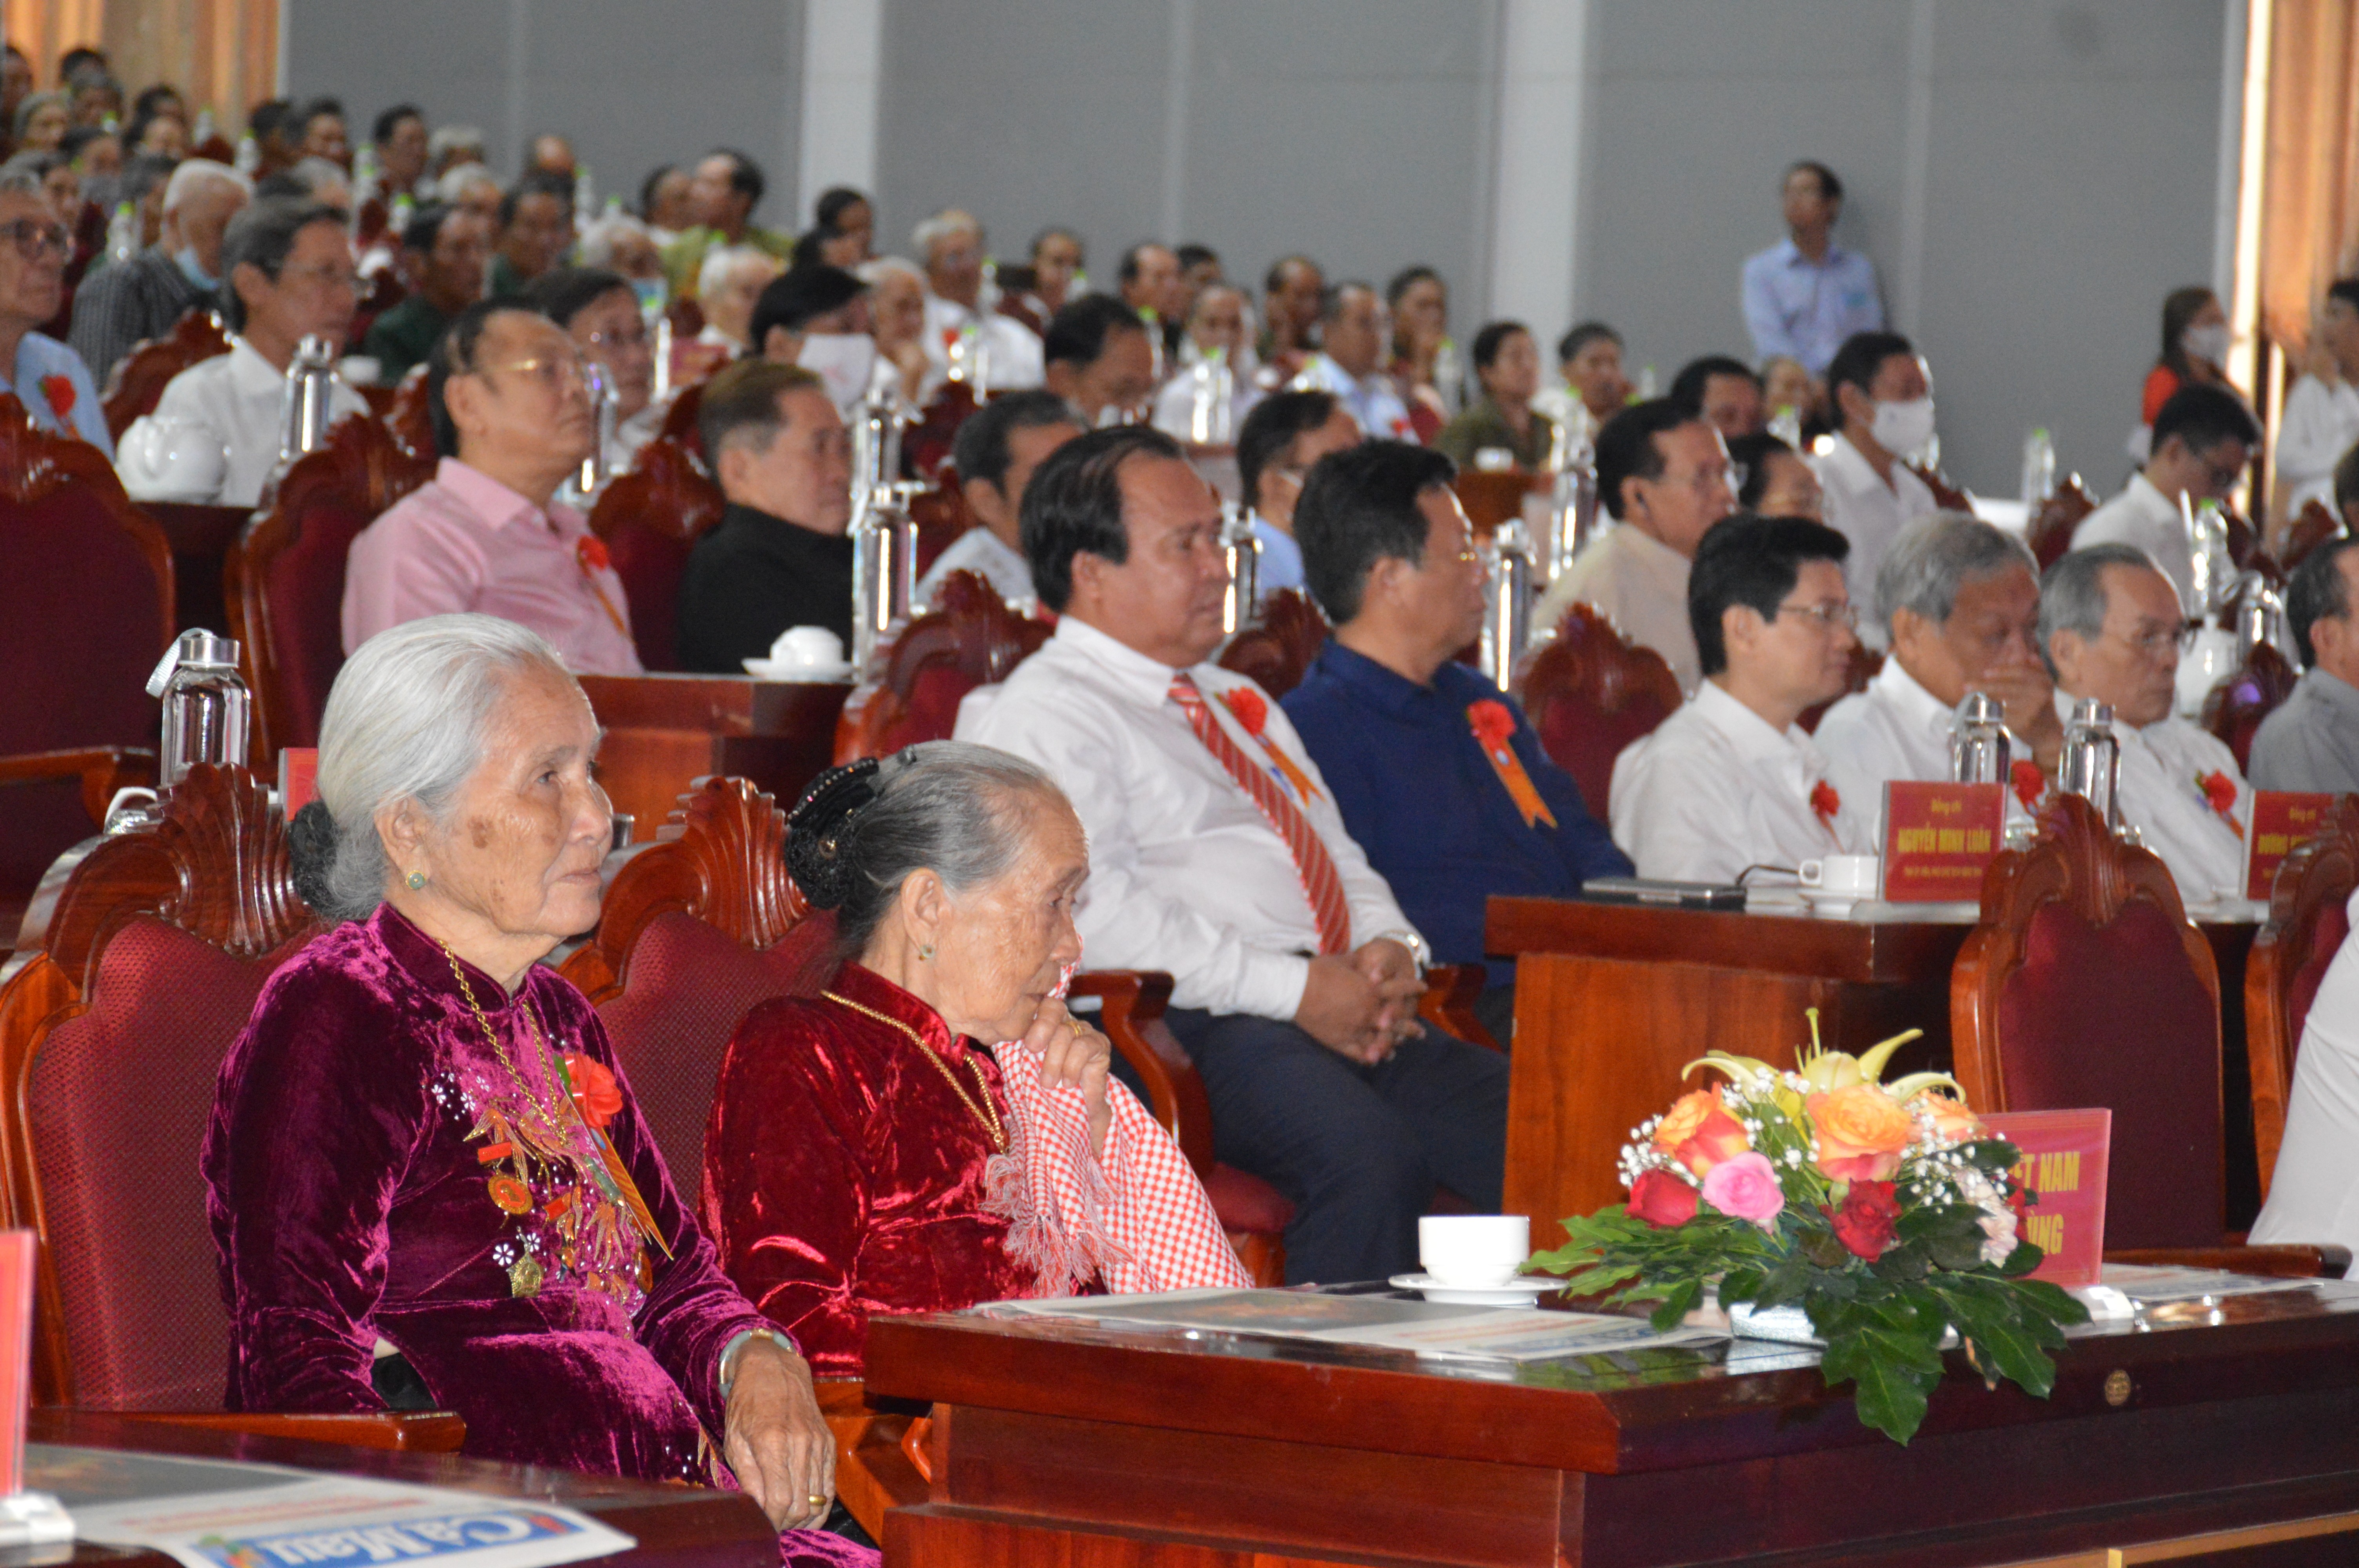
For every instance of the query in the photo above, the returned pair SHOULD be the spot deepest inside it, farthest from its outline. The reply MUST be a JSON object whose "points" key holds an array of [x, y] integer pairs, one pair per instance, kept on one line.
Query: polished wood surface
{"points": [[1611, 1000], [676, 1526], [1276, 647], [666, 731], [1083, 1445]]}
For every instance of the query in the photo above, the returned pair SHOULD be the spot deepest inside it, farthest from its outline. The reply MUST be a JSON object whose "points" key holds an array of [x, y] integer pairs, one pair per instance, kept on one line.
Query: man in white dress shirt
{"points": [[1662, 475], [996, 453], [1099, 358], [2203, 438], [1731, 781], [951, 242], [2110, 624], [1354, 331], [1217, 854], [2321, 413], [2314, 1191], [1962, 610], [1883, 400], [290, 272]]}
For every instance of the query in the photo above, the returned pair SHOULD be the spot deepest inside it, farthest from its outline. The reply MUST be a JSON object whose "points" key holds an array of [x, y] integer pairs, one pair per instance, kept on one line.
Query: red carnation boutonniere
{"points": [[1251, 711], [591, 551], [1827, 804], [2219, 792], [595, 1094], [2029, 783], [1494, 726], [59, 391]]}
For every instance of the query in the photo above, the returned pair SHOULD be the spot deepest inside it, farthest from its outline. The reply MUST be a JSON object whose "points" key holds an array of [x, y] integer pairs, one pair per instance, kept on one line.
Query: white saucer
{"points": [[1523, 1290], [809, 674], [1832, 904]]}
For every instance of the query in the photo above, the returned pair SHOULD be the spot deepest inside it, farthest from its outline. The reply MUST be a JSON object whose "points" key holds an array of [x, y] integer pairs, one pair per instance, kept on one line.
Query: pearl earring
{"points": [[417, 880]]}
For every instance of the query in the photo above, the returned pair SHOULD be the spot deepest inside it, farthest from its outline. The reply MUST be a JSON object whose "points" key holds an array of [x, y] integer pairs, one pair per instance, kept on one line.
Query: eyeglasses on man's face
{"points": [[35, 237], [552, 372], [1829, 614]]}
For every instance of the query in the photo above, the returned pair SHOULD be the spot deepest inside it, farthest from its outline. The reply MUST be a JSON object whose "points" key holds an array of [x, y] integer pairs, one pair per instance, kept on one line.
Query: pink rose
{"points": [[1745, 1185]]}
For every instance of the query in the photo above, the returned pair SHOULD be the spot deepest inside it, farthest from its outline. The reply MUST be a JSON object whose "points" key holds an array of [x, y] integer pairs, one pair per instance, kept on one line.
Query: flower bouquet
{"points": [[1887, 1211]]}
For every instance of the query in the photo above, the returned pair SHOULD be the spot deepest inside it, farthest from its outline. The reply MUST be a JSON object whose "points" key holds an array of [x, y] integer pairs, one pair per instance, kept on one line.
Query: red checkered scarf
{"points": [[1137, 1218]]}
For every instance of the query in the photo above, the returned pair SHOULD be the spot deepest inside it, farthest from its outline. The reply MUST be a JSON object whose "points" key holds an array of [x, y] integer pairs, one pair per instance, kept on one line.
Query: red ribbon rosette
{"points": [[59, 391], [2029, 783], [595, 1094], [1494, 726], [1826, 803], [1251, 711], [591, 551], [2219, 793], [1248, 708]]}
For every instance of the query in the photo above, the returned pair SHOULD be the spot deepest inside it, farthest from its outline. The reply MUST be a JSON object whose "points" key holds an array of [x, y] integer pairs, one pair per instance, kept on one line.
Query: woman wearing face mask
{"points": [[816, 317], [2194, 348]]}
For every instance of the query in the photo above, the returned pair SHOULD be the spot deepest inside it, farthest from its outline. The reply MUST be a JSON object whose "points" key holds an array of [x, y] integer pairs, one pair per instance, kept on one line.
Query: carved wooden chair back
{"points": [[2040, 1019], [138, 382], [2051, 528], [1276, 647], [969, 638], [2312, 526], [286, 575], [650, 518], [1490, 499], [144, 964], [2234, 710], [410, 416], [1590, 693], [87, 592], [2309, 918]]}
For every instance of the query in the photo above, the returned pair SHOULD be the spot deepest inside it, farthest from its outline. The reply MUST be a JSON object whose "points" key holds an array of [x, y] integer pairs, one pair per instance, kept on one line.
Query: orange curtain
{"points": [[221, 54], [2309, 211]]}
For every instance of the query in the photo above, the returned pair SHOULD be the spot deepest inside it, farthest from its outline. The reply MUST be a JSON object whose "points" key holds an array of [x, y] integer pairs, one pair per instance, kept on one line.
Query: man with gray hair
{"points": [[2312, 741], [950, 244], [119, 307], [1961, 604], [39, 371], [287, 272], [2110, 623]]}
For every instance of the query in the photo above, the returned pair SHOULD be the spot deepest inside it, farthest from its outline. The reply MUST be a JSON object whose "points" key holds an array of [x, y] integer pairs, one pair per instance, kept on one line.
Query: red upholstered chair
{"points": [[144, 964], [680, 420], [1276, 647], [941, 516], [2234, 710], [1946, 492], [1589, 694], [2051, 531], [2309, 918], [2312, 526], [650, 518], [2085, 985], [926, 445], [969, 638], [140, 377], [86, 591], [286, 576]]}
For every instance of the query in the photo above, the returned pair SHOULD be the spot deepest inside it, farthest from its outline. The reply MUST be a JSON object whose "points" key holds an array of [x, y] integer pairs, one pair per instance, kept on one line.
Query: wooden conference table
{"points": [[1083, 1444], [1611, 1000], [676, 1526], [663, 731]]}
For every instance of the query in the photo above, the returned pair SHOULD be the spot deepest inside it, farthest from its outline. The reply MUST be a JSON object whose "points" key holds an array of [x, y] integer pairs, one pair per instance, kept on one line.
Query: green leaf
{"points": [[1681, 1300], [1893, 1373]]}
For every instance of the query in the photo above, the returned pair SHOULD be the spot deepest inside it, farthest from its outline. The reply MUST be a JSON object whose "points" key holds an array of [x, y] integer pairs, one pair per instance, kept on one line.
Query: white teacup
{"points": [[1473, 1249], [808, 648], [183, 456], [1851, 876]]}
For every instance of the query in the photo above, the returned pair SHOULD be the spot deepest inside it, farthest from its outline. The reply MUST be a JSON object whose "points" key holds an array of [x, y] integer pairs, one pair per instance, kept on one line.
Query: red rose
{"points": [[1864, 1224], [59, 391], [592, 551], [1662, 1200], [595, 1094], [2029, 783], [1249, 709], [1493, 725], [1825, 801]]}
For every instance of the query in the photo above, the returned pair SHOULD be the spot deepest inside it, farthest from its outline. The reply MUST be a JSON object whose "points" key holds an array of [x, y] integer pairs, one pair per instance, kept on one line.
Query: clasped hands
{"points": [[1363, 1004]]}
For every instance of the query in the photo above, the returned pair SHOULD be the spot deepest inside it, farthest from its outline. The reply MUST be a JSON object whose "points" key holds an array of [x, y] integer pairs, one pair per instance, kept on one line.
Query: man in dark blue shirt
{"points": [[1439, 776]]}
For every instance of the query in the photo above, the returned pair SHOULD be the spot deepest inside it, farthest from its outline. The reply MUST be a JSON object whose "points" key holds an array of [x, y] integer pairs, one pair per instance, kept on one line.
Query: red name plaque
{"points": [[298, 778], [16, 1248], [2283, 821], [1937, 839], [2063, 1162]]}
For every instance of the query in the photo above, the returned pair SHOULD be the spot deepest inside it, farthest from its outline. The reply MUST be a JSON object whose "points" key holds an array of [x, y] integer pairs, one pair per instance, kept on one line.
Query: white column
{"points": [[1536, 205], [844, 45]]}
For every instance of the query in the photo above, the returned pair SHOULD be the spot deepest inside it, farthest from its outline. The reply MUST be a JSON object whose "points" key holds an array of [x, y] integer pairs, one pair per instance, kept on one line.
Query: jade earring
{"points": [[417, 880], [926, 953]]}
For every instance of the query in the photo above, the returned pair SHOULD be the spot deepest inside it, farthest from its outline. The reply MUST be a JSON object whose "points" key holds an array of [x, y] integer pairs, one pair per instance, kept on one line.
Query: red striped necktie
{"points": [[1312, 865]]}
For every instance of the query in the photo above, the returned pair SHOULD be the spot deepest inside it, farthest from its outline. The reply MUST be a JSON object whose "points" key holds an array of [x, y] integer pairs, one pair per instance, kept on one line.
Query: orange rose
{"points": [[1698, 1132], [1860, 1133], [1952, 1119]]}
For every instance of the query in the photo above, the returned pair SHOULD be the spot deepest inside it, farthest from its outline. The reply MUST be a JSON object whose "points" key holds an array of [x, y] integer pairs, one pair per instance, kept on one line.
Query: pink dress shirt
{"points": [[465, 541]]}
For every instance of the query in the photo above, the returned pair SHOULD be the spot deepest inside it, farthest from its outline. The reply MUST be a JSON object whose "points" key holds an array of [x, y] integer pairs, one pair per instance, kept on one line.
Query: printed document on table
{"points": [[210, 1514]]}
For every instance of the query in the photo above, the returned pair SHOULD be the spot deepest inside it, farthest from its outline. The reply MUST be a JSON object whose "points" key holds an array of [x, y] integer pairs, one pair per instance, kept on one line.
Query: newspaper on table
{"points": [[212, 1514], [1428, 1328]]}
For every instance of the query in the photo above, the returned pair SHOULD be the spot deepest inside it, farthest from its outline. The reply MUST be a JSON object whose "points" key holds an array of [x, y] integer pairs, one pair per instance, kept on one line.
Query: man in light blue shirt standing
{"points": [[41, 373], [1804, 296]]}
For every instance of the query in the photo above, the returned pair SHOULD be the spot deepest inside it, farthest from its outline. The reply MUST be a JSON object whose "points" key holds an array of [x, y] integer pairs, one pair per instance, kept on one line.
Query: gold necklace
{"points": [[491, 1037], [985, 1113]]}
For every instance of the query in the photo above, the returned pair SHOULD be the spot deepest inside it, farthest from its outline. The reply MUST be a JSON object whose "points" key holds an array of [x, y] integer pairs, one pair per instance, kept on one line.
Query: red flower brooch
{"points": [[1248, 708], [59, 391], [2219, 792], [2029, 783], [595, 1094], [1826, 803], [591, 551], [1495, 725]]}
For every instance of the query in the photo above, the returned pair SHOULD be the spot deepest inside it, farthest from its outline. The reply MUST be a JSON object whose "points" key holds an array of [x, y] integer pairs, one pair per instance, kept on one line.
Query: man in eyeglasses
{"points": [[215, 436], [512, 421], [1731, 781], [2110, 624], [39, 371], [2203, 438]]}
